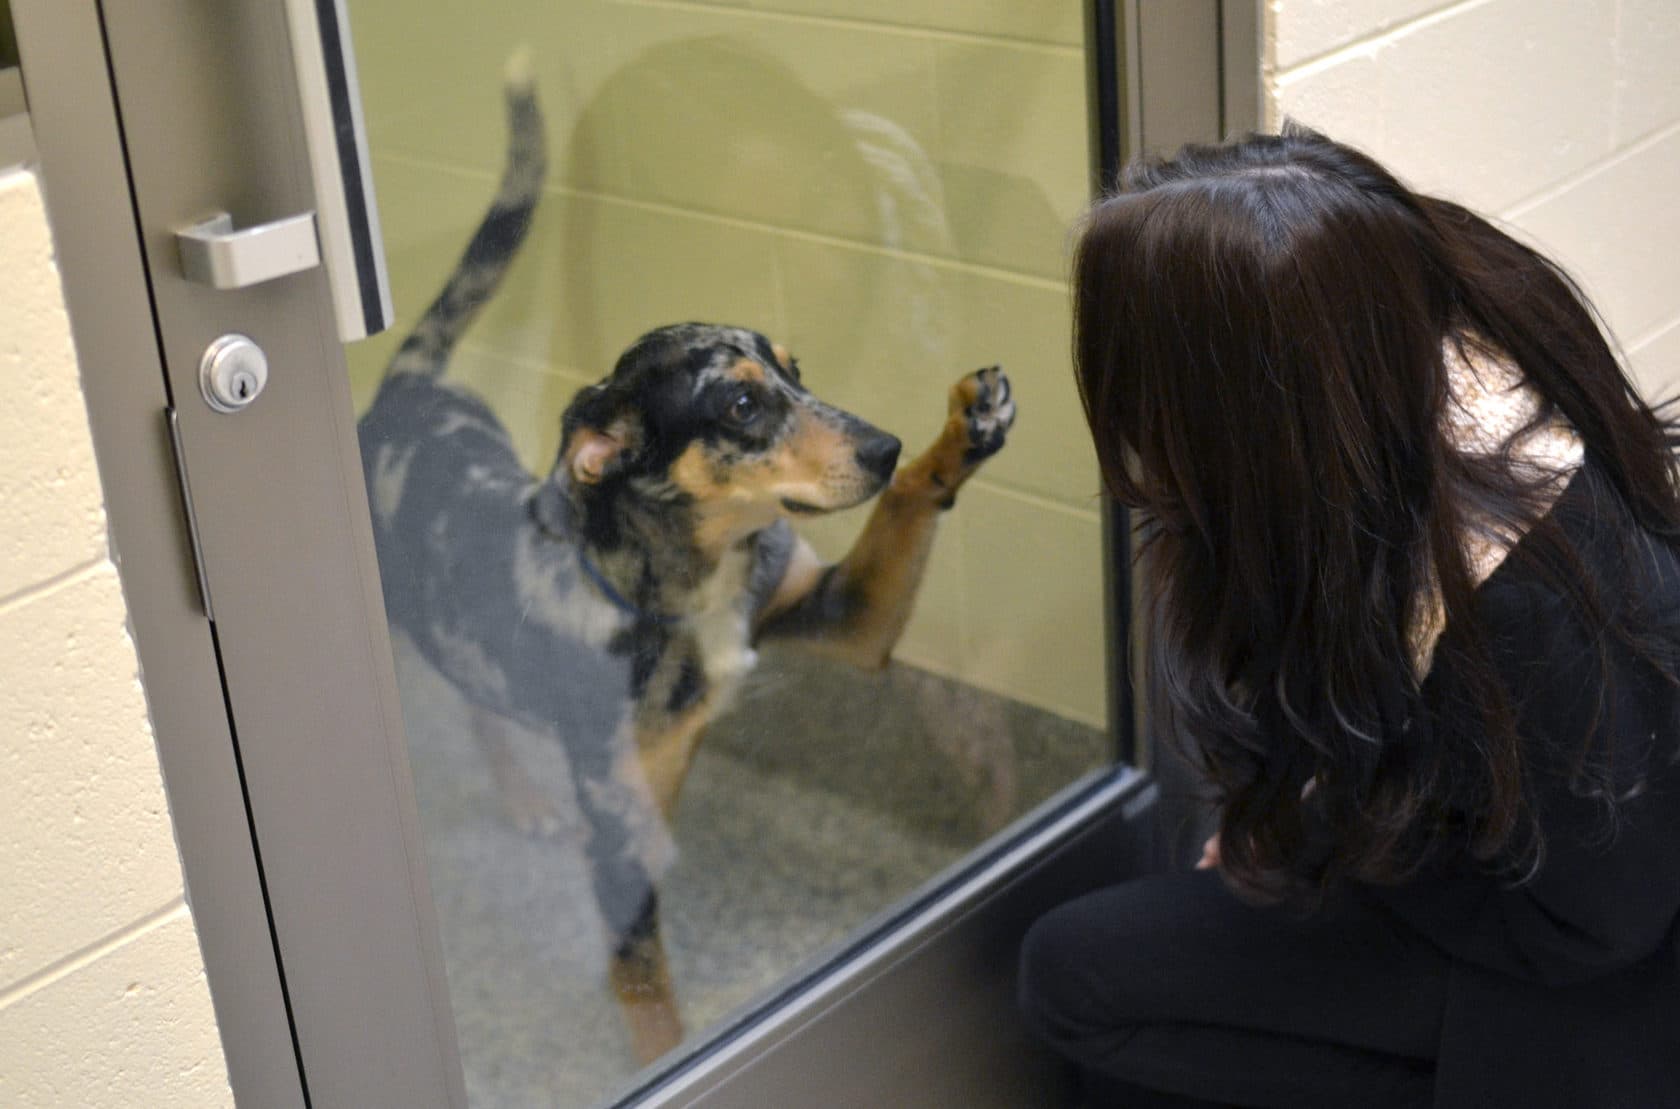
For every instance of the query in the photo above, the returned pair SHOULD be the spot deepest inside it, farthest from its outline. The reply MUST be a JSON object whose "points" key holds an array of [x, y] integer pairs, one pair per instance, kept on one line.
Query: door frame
{"points": [[277, 723]]}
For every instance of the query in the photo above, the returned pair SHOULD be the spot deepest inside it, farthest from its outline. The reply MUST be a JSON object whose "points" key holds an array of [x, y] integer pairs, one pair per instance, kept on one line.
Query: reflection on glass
{"points": [[661, 756]]}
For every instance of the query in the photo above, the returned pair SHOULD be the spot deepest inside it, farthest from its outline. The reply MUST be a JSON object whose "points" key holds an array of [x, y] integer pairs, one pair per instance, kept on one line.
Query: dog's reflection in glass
{"points": [[615, 603]]}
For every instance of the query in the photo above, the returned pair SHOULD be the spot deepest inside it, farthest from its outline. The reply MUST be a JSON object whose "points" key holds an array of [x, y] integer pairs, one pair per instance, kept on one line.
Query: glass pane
{"points": [[8, 38], [595, 609]]}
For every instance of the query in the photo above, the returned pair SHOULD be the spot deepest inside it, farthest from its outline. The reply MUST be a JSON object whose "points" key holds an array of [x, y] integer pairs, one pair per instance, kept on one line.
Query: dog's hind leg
{"points": [[641, 979], [528, 805]]}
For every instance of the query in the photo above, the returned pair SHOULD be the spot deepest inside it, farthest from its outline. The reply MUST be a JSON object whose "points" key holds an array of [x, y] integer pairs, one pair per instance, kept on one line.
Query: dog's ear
{"points": [[591, 453], [598, 434]]}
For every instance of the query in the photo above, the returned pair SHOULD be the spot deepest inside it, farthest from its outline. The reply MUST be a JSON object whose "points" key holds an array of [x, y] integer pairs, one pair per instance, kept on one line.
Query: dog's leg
{"points": [[665, 752], [857, 608], [530, 809], [627, 852], [641, 979]]}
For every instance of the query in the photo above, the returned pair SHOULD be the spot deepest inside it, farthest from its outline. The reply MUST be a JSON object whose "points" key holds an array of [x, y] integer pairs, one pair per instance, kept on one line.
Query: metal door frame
{"points": [[277, 723]]}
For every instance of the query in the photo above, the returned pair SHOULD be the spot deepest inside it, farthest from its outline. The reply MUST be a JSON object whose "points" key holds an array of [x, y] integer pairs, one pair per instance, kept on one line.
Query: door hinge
{"points": [[174, 422]]}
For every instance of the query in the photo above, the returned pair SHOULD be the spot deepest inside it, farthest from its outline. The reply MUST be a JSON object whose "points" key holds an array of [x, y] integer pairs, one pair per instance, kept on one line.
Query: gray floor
{"points": [[824, 796]]}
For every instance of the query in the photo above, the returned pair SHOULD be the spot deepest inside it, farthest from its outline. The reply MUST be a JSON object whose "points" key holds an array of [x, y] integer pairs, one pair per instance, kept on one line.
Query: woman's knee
{"points": [[1051, 993], [1068, 972], [1117, 958]]}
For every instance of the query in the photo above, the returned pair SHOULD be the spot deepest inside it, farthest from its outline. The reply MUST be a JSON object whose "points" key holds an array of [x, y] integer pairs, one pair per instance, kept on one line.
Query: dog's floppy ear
{"points": [[597, 435], [591, 453]]}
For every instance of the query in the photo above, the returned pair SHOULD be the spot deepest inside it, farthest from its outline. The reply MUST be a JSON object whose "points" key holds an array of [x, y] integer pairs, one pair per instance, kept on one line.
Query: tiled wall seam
{"points": [[1371, 41], [52, 583], [720, 219], [858, 23], [1631, 148], [1565, 215], [61, 968]]}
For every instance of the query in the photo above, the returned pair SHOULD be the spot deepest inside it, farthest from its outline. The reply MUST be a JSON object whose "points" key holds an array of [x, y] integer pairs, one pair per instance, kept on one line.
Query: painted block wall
{"points": [[884, 187], [103, 999], [1559, 117]]}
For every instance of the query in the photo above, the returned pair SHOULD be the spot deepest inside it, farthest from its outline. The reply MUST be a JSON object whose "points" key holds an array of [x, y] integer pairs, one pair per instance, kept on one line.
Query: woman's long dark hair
{"points": [[1261, 337]]}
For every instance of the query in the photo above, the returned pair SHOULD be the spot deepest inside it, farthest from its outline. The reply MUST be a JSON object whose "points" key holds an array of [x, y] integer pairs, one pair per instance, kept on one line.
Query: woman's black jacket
{"points": [[1565, 990]]}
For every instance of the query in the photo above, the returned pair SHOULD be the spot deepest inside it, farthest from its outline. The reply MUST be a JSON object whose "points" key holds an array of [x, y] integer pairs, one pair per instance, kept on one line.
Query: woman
{"points": [[1410, 538]]}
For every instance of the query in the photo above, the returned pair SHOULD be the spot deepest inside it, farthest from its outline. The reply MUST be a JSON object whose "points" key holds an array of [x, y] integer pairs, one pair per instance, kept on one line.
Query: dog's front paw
{"points": [[985, 404], [980, 413]]}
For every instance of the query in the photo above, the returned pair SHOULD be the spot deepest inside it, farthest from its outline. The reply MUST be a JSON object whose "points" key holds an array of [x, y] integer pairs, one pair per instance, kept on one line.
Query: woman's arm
{"points": [[1607, 893]]}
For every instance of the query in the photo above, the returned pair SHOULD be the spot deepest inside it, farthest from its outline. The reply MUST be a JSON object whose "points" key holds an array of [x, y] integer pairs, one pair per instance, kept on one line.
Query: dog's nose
{"points": [[879, 454]]}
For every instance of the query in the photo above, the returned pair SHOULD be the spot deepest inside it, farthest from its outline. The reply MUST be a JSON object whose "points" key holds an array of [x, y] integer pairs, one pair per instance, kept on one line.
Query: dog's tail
{"points": [[498, 238]]}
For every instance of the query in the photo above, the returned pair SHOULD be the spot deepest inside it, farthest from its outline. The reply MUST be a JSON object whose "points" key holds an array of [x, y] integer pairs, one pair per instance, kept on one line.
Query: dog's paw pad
{"points": [[986, 402]]}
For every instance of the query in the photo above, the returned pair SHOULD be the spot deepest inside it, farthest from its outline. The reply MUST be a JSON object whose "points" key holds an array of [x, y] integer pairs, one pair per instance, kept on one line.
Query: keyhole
{"points": [[231, 372]]}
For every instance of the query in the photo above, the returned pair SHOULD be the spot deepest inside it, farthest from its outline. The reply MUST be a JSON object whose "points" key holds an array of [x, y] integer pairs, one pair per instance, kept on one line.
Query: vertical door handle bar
{"points": [[347, 218]]}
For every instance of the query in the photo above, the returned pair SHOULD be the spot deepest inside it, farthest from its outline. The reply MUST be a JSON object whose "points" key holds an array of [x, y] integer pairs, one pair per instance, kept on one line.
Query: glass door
{"points": [[871, 206], [687, 637]]}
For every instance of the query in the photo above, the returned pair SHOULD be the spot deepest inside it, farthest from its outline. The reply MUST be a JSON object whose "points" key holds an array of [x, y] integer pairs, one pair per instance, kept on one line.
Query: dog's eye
{"points": [[742, 409]]}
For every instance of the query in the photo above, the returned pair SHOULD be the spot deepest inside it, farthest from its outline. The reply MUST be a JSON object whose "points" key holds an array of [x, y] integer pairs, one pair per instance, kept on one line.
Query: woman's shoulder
{"points": [[1588, 560], [1583, 626]]}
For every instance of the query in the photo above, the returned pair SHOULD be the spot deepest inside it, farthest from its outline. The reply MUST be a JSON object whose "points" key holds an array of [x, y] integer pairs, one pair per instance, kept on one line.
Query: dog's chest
{"points": [[720, 625]]}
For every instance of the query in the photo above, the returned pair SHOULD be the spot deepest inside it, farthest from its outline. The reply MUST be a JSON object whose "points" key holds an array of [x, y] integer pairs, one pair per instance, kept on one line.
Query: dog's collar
{"points": [[619, 600]]}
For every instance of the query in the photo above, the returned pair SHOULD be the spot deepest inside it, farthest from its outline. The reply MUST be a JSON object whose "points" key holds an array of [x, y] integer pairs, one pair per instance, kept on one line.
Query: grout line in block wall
{"points": [[62, 968], [1661, 331], [1018, 277], [1092, 515], [904, 30], [1368, 43], [35, 590], [1558, 188], [536, 364]]}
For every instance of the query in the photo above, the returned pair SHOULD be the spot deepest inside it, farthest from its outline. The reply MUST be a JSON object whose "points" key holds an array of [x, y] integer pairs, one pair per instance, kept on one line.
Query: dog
{"points": [[616, 602]]}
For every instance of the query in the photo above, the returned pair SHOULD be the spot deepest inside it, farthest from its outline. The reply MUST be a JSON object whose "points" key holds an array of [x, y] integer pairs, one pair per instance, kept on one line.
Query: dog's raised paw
{"points": [[986, 404]]}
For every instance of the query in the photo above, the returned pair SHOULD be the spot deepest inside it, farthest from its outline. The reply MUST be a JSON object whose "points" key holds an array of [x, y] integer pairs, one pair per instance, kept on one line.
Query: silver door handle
{"points": [[343, 231], [214, 254]]}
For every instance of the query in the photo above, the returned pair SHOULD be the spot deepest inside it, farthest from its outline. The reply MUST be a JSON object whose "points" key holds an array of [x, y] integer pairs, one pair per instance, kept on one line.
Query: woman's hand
{"points": [[1210, 854]]}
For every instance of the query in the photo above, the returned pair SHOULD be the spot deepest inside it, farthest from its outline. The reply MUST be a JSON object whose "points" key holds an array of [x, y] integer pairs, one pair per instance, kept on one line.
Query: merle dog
{"points": [[615, 602]]}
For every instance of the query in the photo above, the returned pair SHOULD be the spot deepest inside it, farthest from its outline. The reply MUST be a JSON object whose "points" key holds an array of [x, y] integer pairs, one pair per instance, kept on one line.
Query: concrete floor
{"points": [[822, 798]]}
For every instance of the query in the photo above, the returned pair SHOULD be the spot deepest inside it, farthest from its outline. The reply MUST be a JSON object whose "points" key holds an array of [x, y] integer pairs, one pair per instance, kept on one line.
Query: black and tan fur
{"points": [[617, 602]]}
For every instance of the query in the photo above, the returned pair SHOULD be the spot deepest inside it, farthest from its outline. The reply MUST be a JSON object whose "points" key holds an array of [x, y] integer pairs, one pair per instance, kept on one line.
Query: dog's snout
{"points": [[879, 454]]}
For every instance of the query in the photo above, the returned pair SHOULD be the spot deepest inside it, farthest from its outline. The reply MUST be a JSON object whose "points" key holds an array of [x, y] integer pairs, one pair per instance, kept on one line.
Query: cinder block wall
{"points": [[1559, 117], [103, 1000]]}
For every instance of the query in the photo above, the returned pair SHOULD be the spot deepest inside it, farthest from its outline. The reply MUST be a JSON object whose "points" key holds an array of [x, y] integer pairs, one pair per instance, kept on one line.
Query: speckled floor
{"points": [[822, 798]]}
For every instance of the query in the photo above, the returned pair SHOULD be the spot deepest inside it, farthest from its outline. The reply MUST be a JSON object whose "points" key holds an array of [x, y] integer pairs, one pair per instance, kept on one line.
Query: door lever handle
{"points": [[341, 234], [214, 254]]}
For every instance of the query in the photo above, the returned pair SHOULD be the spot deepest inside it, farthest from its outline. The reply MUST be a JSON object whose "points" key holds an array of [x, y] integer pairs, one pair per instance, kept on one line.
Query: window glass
{"points": [[660, 767]]}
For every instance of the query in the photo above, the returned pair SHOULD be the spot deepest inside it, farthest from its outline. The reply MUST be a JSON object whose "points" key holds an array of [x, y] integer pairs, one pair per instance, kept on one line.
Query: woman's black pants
{"points": [[1169, 991]]}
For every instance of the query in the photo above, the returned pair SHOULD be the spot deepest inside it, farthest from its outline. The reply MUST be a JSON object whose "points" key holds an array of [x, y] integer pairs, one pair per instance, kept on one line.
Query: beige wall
{"points": [[885, 186], [103, 1000], [1560, 117]]}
